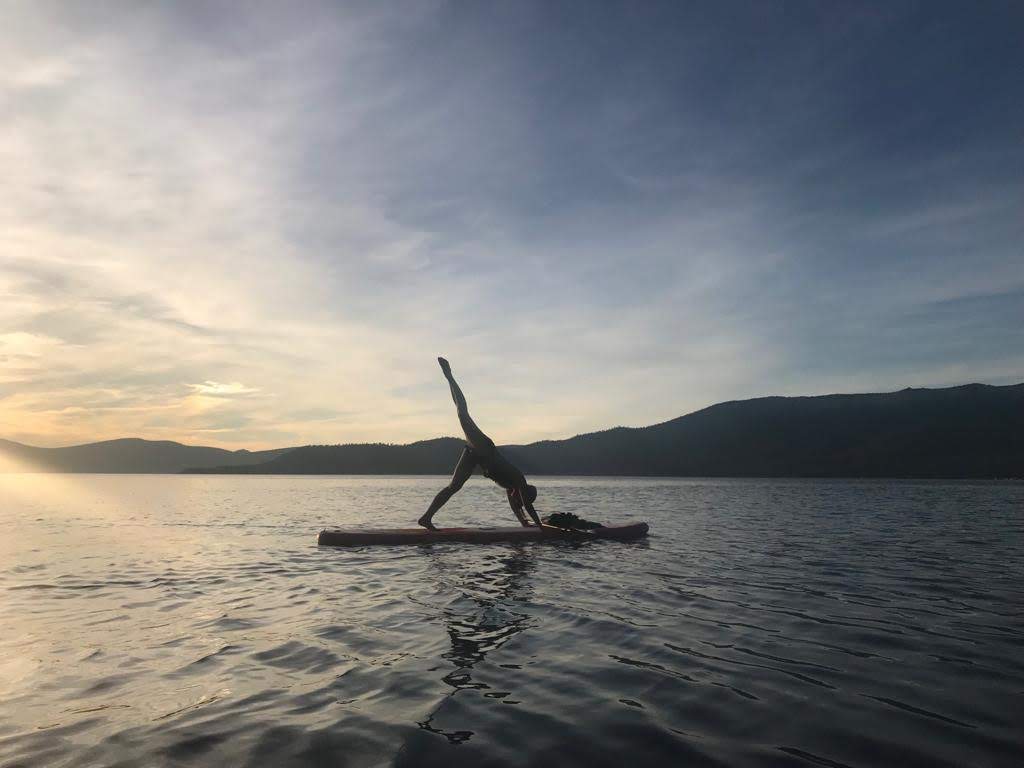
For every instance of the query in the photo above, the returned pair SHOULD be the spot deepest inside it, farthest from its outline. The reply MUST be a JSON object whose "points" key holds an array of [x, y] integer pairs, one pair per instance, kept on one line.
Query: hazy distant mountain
{"points": [[125, 455], [427, 457], [969, 431]]}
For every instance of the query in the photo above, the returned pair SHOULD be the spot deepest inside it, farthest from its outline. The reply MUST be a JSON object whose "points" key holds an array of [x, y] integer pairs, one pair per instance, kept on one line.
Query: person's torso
{"points": [[499, 469]]}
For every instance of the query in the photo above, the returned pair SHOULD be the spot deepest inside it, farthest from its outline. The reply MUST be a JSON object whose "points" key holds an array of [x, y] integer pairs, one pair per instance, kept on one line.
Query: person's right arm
{"points": [[517, 506], [534, 515]]}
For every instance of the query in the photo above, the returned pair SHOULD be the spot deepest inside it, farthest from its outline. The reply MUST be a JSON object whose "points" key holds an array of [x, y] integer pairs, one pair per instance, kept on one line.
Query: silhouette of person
{"points": [[480, 451]]}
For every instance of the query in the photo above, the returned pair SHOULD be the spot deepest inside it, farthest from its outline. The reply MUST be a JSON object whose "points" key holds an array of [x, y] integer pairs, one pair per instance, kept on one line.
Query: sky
{"points": [[257, 225]]}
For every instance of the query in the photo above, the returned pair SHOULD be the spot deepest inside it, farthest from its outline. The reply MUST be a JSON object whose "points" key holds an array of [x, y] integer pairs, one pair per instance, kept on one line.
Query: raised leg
{"points": [[475, 436]]}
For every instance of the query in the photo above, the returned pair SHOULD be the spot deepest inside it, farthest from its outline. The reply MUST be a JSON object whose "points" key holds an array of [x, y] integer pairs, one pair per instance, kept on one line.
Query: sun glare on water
{"points": [[51, 526]]}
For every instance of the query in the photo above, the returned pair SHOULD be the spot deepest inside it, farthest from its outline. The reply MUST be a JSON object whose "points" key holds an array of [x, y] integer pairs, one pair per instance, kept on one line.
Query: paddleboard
{"points": [[369, 536]]}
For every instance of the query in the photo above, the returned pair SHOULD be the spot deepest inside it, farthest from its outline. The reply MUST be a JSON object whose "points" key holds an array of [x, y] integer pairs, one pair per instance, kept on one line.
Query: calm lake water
{"points": [[192, 620]]}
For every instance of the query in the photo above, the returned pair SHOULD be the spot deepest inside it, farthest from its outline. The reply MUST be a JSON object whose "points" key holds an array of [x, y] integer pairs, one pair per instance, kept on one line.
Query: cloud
{"points": [[216, 389], [610, 220]]}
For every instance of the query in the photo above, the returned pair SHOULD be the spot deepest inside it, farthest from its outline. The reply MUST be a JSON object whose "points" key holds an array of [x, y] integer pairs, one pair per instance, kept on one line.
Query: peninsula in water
{"points": [[972, 431]]}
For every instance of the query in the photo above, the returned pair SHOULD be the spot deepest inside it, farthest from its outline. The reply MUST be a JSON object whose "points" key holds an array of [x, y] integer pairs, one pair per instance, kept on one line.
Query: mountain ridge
{"points": [[971, 430], [123, 455]]}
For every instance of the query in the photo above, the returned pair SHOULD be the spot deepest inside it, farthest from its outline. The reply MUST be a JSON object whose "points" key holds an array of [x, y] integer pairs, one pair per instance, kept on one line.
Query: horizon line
{"points": [[545, 440]]}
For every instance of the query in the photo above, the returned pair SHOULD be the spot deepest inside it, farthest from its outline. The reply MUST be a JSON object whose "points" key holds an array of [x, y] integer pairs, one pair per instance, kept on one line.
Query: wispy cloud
{"points": [[217, 389], [257, 229]]}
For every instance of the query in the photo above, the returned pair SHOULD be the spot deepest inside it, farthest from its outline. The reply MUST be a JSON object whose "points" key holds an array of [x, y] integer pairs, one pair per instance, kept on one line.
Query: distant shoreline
{"points": [[971, 432]]}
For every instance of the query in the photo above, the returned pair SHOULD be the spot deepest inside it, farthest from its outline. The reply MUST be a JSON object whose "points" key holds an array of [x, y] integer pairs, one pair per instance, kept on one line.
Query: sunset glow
{"points": [[259, 231]]}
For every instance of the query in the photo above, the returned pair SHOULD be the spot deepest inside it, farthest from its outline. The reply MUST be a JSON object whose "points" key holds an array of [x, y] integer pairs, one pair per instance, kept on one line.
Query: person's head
{"points": [[530, 494]]}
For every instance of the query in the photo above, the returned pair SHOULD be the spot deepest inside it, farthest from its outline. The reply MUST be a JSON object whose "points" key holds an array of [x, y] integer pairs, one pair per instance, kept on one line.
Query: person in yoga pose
{"points": [[481, 451]]}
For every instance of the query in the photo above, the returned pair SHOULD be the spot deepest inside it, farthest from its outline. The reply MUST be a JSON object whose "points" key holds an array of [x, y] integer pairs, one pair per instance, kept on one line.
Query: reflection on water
{"points": [[482, 621], [192, 621]]}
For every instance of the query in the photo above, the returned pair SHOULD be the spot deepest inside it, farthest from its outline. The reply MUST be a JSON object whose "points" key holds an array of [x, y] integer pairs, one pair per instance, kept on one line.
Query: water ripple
{"points": [[192, 620]]}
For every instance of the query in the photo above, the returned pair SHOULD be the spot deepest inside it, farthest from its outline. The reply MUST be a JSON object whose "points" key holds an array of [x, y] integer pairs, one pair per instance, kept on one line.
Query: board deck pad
{"points": [[368, 536]]}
